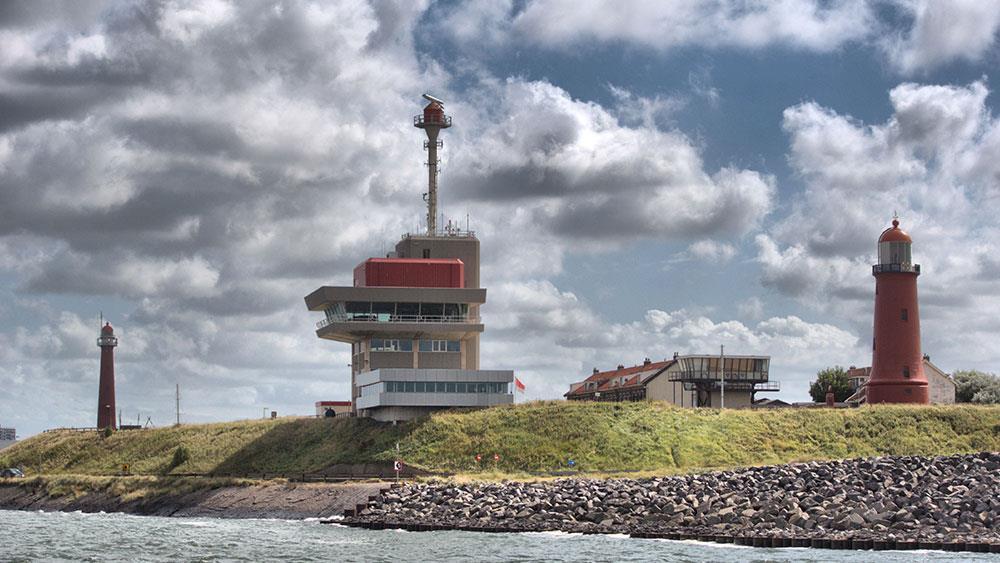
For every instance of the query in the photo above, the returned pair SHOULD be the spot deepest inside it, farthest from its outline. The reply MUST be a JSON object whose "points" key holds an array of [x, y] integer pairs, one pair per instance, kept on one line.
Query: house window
{"points": [[904, 314], [386, 345], [440, 346]]}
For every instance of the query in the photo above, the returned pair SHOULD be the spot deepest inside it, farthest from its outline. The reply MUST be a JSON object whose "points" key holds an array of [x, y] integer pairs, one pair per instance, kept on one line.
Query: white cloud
{"points": [[943, 32], [664, 25], [914, 35], [709, 251], [569, 339], [582, 173], [934, 162]]}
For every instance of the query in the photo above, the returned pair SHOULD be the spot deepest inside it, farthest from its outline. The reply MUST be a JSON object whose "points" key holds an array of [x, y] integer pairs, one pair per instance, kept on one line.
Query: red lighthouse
{"points": [[897, 364], [106, 393]]}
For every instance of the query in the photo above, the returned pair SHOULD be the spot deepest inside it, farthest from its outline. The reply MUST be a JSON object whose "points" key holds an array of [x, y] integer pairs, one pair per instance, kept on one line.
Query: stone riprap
{"points": [[905, 498]]}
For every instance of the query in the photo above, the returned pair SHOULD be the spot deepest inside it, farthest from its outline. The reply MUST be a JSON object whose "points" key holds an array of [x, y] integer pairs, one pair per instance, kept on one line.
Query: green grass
{"points": [[532, 437]]}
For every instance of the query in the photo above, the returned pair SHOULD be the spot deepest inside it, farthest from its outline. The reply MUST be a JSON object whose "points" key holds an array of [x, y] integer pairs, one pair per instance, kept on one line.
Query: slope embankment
{"points": [[532, 437], [186, 496]]}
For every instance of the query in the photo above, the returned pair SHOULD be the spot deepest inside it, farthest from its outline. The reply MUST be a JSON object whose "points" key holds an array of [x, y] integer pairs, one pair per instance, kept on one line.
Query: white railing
{"points": [[377, 318], [444, 233]]}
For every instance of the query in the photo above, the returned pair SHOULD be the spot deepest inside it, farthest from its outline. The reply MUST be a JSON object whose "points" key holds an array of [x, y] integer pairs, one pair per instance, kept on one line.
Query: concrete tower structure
{"points": [[412, 318], [897, 363], [106, 391]]}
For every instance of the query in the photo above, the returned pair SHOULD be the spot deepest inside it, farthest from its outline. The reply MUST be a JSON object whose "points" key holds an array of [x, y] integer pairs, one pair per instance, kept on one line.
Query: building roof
{"points": [[621, 378], [895, 234], [333, 403], [855, 373]]}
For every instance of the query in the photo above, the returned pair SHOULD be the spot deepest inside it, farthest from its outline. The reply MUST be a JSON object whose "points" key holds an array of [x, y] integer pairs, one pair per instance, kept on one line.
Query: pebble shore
{"points": [[895, 502]]}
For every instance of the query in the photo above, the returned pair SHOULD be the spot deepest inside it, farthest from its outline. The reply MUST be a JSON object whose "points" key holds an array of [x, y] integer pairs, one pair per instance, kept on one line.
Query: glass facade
{"points": [[379, 311], [707, 367]]}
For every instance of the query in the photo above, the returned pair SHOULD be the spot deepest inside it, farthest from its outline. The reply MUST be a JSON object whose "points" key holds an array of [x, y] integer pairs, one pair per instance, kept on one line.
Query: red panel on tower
{"points": [[410, 272]]}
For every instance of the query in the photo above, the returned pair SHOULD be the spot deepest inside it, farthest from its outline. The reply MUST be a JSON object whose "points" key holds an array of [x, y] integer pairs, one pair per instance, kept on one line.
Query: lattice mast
{"points": [[433, 120]]}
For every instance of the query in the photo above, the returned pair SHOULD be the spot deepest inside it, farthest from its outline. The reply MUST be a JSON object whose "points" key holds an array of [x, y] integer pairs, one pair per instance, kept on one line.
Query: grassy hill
{"points": [[538, 436]]}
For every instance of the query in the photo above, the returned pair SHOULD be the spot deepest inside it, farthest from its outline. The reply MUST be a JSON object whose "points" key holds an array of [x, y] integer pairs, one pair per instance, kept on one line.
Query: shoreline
{"points": [[906, 502], [903, 502], [187, 497]]}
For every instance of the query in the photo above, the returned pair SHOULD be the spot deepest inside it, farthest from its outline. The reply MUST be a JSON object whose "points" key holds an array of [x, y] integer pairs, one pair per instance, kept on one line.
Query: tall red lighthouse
{"points": [[106, 392], [897, 364]]}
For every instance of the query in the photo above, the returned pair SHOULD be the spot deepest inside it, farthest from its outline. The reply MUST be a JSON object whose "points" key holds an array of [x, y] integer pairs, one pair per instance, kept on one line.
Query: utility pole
{"points": [[722, 376], [178, 404]]}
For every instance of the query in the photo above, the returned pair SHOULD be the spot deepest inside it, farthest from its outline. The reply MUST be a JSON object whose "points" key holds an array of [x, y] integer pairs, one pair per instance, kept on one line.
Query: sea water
{"points": [[57, 536]]}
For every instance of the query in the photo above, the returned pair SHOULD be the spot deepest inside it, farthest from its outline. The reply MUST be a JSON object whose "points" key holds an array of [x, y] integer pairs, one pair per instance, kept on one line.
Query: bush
{"points": [[181, 455], [974, 386], [835, 377]]}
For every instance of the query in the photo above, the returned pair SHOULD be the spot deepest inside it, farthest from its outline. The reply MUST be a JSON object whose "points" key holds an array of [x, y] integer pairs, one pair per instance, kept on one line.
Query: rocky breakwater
{"points": [[884, 502]]}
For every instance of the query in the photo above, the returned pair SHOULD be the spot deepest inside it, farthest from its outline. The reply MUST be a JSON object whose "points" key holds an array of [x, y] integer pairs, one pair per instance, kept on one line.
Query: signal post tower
{"points": [[432, 121]]}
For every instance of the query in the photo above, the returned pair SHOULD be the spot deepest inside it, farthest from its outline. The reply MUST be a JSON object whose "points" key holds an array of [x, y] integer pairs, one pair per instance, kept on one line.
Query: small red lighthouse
{"points": [[106, 392], [897, 364]]}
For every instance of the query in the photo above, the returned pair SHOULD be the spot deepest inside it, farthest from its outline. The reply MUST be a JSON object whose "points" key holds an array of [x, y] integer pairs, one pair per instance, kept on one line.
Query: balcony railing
{"points": [[768, 386], [904, 268], [729, 376], [385, 318], [446, 232], [419, 121]]}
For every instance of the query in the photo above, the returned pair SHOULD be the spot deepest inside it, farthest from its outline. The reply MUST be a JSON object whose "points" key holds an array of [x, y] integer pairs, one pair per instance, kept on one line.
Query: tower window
{"points": [[427, 253], [904, 314], [906, 371]]}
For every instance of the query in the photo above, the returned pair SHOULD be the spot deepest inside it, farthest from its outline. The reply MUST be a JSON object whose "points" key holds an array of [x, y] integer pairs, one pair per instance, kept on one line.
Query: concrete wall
{"points": [[443, 360], [734, 399], [7, 443], [941, 387], [660, 389], [391, 360]]}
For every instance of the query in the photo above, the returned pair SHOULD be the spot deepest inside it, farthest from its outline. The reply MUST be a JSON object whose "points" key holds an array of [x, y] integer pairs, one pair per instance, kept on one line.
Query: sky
{"points": [[645, 177]]}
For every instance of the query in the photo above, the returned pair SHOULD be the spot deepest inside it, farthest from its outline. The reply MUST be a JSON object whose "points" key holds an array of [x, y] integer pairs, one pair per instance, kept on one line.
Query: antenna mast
{"points": [[433, 120], [178, 404]]}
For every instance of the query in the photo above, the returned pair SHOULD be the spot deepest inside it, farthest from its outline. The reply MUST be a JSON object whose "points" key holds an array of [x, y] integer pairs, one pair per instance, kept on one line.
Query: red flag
{"points": [[518, 385]]}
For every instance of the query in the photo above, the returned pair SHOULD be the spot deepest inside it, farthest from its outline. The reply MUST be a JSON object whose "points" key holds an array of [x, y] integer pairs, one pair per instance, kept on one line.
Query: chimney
{"points": [[620, 367], [675, 355], [830, 397], [646, 362], [596, 371]]}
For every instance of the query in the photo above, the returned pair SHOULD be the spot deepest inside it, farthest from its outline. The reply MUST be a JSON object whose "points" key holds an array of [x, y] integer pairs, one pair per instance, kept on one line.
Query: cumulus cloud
{"points": [[942, 32], [932, 161], [571, 339], [582, 173], [914, 35], [663, 25]]}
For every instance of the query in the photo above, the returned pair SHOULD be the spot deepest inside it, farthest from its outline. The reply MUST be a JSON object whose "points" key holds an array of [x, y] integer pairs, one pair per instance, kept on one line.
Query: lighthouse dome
{"points": [[894, 234], [106, 329]]}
